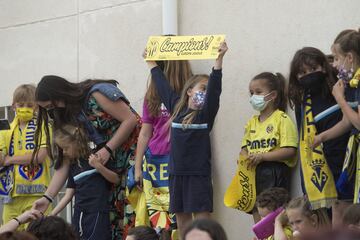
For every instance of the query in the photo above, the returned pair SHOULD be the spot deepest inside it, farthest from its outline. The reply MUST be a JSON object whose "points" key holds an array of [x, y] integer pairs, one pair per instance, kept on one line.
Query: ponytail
{"points": [[275, 82]]}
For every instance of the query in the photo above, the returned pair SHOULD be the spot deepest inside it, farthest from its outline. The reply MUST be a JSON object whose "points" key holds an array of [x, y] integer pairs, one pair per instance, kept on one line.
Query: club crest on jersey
{"points": [[269, 128], [31, 174]]}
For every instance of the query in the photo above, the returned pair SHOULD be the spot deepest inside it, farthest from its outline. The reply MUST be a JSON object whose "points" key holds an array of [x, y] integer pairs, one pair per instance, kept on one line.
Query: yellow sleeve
{"points": [[246, 134], [288, 133]]}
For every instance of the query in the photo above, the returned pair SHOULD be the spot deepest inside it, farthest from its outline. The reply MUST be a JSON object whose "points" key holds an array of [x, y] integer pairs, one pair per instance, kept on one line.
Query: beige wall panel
{"points": [[91, 5], [111, 44], [32, 51], [14, 12]]}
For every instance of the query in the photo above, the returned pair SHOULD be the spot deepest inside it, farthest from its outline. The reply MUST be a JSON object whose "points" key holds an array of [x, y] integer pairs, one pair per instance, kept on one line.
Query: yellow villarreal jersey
{"points": [[28, 181], [277, 131]]}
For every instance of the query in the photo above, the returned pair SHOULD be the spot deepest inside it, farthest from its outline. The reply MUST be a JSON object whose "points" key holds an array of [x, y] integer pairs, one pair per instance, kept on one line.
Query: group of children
{"points": [[325, 100], [173, 153]]}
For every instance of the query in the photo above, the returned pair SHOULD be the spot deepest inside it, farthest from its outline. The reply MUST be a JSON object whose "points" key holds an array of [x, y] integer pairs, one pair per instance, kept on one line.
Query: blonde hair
{"points": [[304, 206], [184, 99], [69, 134], [24, 93], [176, 72]]}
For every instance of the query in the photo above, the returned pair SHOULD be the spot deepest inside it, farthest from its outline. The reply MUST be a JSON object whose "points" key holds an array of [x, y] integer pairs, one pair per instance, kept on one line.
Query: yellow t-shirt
{"points": [[288, 232], [27, 182], [277, 131]]}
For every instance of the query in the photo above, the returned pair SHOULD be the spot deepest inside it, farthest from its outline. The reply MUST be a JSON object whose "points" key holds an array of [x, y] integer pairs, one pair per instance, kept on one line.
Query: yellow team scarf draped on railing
{"points": [[317, 177], [241, 193]]}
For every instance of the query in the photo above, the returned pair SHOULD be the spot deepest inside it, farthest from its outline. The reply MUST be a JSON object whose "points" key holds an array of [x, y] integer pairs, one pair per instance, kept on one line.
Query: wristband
{"points": [[108, 149], [48, 198], [18, 221]]}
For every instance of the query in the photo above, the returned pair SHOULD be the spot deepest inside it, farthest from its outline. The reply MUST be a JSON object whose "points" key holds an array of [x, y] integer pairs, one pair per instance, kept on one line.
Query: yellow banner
{"points": [[183, 47], [241, 193]]}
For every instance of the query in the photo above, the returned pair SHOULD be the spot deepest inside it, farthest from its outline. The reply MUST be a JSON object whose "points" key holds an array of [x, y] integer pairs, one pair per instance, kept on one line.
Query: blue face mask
{"points": [[199, 99], [258, 102]]}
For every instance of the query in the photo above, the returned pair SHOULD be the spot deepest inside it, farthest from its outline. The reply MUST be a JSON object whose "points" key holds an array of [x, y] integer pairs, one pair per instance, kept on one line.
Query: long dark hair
{"points": [[311, 57], [54, 88], [275, 82]]}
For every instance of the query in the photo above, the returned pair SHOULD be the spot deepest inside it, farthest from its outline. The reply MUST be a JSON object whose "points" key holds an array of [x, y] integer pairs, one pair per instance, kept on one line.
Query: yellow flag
{"points": [[183, 47], [241, 193]]}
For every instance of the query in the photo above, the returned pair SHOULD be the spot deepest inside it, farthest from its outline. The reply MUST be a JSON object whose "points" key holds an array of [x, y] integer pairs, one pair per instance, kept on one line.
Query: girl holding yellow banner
{"points": [[311, 79], [154, 143], [193, 114], [270, 140]]}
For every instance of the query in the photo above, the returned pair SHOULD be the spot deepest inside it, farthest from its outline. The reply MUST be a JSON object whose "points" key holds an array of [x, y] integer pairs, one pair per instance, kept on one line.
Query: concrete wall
{"points": [[81, 39]]}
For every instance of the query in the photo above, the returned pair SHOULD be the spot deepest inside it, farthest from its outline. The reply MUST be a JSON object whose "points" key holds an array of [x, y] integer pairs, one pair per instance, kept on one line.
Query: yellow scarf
{"points": [[241, 193], [349, 176], [27, 181], [318, 179], [6, 172], [357, 178], [354, 82]]}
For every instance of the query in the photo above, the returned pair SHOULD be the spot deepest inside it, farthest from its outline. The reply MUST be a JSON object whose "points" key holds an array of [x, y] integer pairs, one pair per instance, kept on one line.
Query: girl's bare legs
{"points": [[182, 220]]}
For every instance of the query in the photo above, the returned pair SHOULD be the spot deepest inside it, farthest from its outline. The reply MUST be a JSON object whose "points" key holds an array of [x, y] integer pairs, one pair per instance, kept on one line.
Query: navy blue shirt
{"points": [[92, 190], [190, 152]]}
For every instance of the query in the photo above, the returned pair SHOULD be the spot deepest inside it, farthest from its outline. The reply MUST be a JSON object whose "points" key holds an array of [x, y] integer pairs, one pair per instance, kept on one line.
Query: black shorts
{"points": [[190, 194], [272, 174], [92, 226]]}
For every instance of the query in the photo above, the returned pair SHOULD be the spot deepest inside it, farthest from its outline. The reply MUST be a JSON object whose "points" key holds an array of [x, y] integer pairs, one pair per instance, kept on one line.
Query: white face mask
{"points": [[258, 102]]}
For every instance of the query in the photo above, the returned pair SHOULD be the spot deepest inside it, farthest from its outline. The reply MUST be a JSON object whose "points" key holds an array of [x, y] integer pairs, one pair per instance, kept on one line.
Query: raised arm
{"points": [[213, 90], [167, 95]]}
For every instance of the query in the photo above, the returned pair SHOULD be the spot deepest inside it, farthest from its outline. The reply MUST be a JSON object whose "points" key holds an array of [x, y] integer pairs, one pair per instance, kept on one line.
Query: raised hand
{"points": [[151, 64], [222, 50]]}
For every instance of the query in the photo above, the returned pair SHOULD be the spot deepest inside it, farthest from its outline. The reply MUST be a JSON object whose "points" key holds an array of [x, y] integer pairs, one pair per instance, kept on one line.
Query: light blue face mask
{"points": [[258, 102]]}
